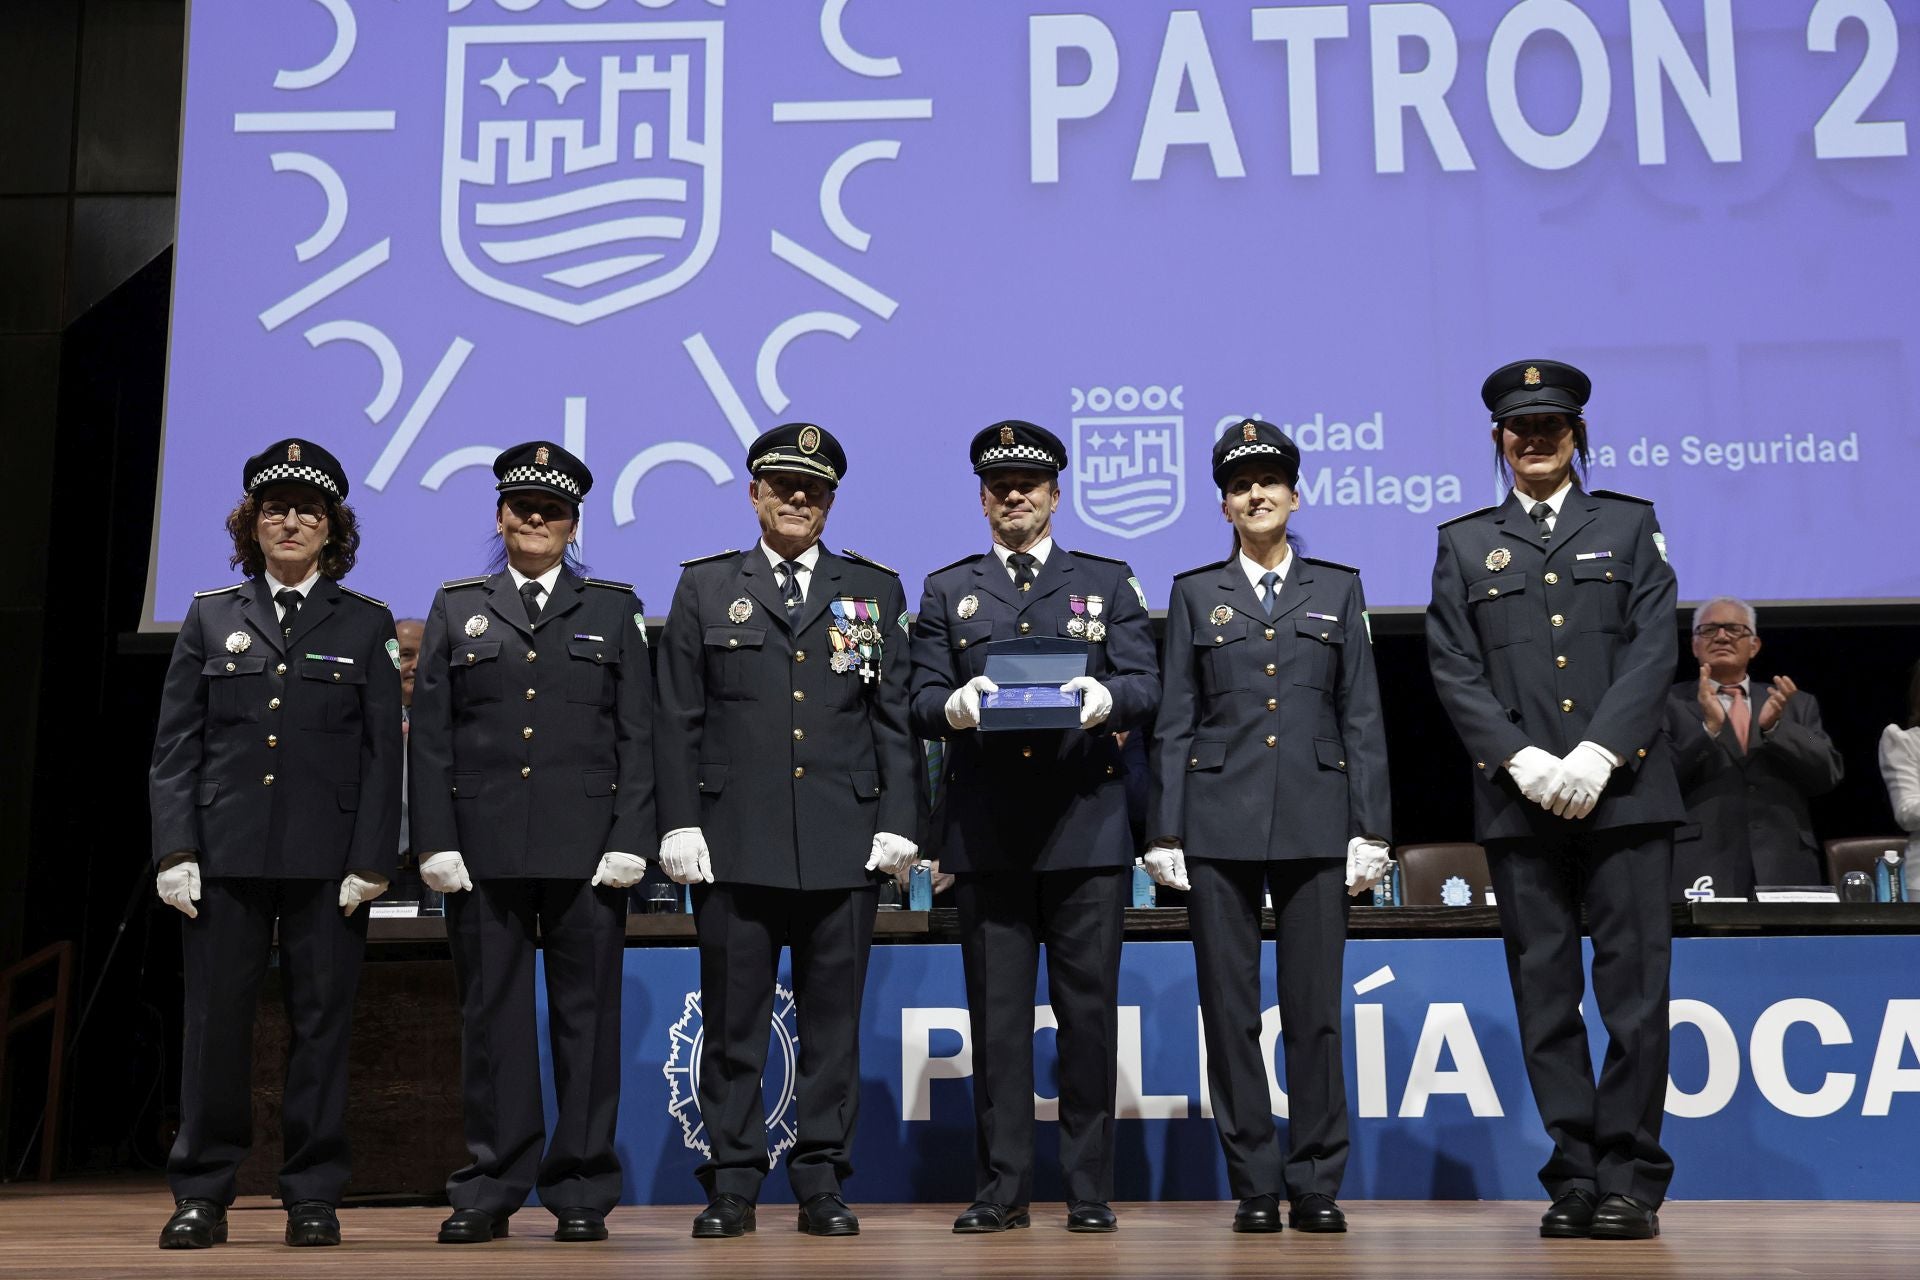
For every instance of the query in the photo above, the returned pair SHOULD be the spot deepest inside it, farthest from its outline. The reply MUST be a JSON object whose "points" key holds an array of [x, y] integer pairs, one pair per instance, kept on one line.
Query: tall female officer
{"points": [[530, 793], [275, 790], [1270, 772], [1551, 638]]}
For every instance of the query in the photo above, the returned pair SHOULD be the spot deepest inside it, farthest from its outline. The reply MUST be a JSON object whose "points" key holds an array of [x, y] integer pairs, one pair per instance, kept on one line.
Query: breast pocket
{"points": [[1601, 588], [236, 688], [1316, 651], [969, 655], [1494, 604], [730, 650], [590, 672], [474, 673], [1222, 655], [327, 697]]}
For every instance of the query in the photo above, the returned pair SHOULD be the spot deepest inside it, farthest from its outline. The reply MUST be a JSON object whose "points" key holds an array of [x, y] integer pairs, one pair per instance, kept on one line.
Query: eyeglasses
{"points": [[1732, 630], [309, 513]]}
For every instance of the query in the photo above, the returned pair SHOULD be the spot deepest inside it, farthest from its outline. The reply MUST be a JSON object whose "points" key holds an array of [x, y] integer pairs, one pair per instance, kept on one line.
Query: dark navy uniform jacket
{"points": [[1042, 801], [1269, 743], [276, 756], [531, 747], [1569, 640], [787, 766]]}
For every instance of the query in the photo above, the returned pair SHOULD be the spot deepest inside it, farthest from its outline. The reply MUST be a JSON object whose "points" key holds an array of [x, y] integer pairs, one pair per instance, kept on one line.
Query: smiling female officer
{"points": [[1270, 773], [531, 793], [1551, 638]]}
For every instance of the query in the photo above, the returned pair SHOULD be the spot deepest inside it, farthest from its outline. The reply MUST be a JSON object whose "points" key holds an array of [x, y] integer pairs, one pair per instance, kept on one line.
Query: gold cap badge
{"points": [[1247, 432], [540, 456], [293, 453], [1006, 437], [1532, 376], [809, 439]]}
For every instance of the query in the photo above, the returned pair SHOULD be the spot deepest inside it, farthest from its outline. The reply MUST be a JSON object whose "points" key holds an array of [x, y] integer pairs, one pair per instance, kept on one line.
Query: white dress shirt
{"points": [[806, 560], [1039, 551], [546, 581], [1558, 500], [1256, 571], [303, 587], [1900, 767]]}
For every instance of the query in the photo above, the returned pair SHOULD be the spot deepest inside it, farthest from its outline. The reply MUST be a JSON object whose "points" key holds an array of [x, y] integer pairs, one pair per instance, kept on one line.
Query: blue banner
{"points": [[1795, 1074]]}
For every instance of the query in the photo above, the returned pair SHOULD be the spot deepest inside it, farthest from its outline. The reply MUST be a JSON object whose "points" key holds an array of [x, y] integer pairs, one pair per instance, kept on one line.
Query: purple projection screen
{"points": [[649, 229]]}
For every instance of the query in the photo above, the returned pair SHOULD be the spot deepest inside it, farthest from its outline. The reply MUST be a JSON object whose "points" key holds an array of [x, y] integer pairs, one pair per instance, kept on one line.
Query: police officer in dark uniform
{"points": [[1270, 773], [275, 790], [788, 778], [531, 801], [1034, 825], [1551, 639]]}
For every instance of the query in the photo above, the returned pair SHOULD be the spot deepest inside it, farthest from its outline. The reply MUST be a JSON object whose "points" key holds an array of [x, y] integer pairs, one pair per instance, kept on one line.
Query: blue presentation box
{"points": [[1030, 671]]}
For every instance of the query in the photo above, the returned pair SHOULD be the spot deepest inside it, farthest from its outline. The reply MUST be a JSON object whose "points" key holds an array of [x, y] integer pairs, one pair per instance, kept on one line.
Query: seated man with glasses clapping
{"points": [[1749, 757]]}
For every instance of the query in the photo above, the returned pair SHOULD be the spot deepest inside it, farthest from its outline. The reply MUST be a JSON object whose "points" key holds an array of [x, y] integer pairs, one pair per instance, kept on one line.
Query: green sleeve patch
{"points": [[640, 621], [901, 621], [1138, 593], [393, 653]]}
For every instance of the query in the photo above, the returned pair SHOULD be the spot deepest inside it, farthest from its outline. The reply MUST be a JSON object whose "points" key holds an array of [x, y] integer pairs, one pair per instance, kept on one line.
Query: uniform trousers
{"points": [[741, 929], [226, 952], [1080, 916], [1310, 915], [1606, 1136], [581, 931]]}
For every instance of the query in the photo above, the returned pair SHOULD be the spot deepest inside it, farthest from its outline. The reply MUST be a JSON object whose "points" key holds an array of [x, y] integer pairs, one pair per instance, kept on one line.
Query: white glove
{"points": [[963, 704], [1168, 866], [1535, 772], [1367, 863], [619, 871], [445, 872], [1096, 704], [891, 854], [683, 856], [1583, 776], [356, 889], [179, 886]]}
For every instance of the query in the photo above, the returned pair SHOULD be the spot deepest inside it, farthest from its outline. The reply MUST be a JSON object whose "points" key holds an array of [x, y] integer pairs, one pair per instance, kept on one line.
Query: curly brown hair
{"points": [[336, 558]]}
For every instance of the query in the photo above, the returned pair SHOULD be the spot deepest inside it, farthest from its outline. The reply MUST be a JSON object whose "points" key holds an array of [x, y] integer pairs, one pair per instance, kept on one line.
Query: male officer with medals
{"points": [[275, 789], [788, 778], [1551, 639], [1034, 826]]}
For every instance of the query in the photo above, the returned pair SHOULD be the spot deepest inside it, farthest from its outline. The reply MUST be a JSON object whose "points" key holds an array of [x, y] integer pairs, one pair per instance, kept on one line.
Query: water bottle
{"points": [[1888, 883], [1143, 885], [920, 887]]}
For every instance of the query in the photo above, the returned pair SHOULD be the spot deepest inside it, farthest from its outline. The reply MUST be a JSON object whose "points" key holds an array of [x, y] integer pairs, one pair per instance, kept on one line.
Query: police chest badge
{"points": [[477, 626], [968, 606], [1222, 614], [740, 610], [239, 642], [855, 636], [1499, 558]]}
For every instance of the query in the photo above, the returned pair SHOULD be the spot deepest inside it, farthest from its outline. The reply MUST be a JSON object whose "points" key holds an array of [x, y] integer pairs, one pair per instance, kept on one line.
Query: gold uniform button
{"points": [[963, 642], [1642, 753], [1551, 579], [526, 731], [231, 667], [529, 695], [799, 735], [526, 771], [1493, 591], [1343, 764], [336, 675], [267, 781], [1194, 763], [598, 657], [1110, 771], [1271, 668], [280, 670], [471, 659], [1271, 740], [1216, 640], [1325, 635], [1479, 764], [799, 655], [1026, 753], [531, 655], [1566, 704], [1269, 633], [1559, 659], [1273, 704], [273, 739], [733, 643], [273, 704], [1608, 575], [799, 771], [799, 695], [1558, 619], [1025, 627]]}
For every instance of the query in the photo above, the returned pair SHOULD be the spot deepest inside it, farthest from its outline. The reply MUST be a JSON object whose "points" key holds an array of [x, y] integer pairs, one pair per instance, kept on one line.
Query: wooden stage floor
{"points": [[108, 1228]]}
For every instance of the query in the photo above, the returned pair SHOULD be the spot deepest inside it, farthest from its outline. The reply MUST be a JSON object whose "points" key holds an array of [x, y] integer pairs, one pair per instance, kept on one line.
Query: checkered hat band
{"points": [[542, 475], [294, 471], [1019, 453], [794, 462], [1252, 450]]}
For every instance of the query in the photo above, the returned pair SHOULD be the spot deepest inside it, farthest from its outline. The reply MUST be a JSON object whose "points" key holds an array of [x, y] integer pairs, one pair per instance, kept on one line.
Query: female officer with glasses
{"points": [[1551, 640], [531, 797], [275, 791], [1270, 775]]}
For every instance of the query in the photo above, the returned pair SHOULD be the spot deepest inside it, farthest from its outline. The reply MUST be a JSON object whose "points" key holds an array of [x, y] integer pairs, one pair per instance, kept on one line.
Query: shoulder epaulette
{"points": [[1205, 568], [451, 583], [850, 554], [607, 582], [1470, 515], [1330, 564], [718, 555], [218, 591], [1626, 497], [360, 595], [1088, 555], [963, 560]]}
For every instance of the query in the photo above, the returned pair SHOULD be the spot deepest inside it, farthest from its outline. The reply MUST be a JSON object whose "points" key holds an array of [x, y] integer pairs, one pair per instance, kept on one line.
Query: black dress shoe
{"points": [[1315, 1212], [1571, 1217], [473, 1226], [728, 1216], [1257, 1215], [1090, 1215], [827, 1215], [580, 1224], [195, 1224], [982, 1217], [312, 1224], [1624, 1218]]}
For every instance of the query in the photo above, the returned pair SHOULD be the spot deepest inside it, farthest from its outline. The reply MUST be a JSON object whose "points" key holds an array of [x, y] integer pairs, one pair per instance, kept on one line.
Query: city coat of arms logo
{"points": [[580, 171]]}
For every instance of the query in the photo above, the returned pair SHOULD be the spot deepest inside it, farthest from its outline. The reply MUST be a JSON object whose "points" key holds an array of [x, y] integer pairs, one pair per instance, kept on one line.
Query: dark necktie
{"points": [[1270, 585], [1022, 570], [791, 570], [1542, 513], [289, 601], [530, 592]]}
